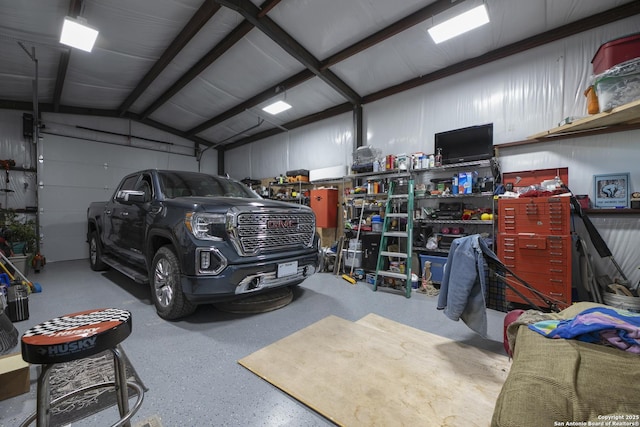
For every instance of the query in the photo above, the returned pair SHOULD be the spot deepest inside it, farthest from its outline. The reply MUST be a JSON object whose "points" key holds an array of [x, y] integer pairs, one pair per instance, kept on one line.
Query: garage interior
{"points": [[182, 85]]}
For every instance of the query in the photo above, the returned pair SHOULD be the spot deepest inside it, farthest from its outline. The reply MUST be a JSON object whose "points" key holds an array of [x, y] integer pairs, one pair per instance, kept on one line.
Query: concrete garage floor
{"points": [[190, 366]]}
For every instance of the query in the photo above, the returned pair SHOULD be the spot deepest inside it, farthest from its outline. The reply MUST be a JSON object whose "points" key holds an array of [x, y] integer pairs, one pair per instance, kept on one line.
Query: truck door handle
{"points": [[107, 212], [125, 213]]}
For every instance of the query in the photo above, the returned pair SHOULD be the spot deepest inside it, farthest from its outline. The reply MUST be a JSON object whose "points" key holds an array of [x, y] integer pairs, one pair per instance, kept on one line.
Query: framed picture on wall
{"points": [[611, 191]]}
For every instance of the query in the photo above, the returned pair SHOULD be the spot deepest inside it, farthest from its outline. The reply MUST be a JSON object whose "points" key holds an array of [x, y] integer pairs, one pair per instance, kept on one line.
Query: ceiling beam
{"points": [[585, 24], [75, 6], [197, 21], [266, 7], [218, 50], [397, 27], [251, 12], [303, 121], [285, 85], [83, 111], [173, 131]]}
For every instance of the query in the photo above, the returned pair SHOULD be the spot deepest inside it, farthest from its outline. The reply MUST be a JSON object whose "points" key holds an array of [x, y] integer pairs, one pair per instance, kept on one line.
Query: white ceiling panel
{"points": [[328, 26], [240, 126], [216, 29], [312, 96]]}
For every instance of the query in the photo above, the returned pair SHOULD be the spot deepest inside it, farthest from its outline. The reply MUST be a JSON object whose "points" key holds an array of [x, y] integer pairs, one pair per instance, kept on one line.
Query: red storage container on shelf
{"points": [[324, 202], [616, 51]]}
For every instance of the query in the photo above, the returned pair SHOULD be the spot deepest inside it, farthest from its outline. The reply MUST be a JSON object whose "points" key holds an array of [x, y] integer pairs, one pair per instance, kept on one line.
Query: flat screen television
{"points": [[465, 145]]}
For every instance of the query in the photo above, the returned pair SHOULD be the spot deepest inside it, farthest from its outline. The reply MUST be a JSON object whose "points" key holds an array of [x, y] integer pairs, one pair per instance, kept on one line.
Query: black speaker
{"points": [[27, 125]]}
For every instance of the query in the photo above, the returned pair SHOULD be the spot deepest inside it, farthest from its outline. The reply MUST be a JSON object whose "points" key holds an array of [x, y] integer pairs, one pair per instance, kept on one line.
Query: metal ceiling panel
{"points": [[561, 12], [251, 65], [312, 96], [141, 30], [123, 52], [240, 126], [178, 115], [328, 26], [33, 31], [17, 70], [210, 35], [413, 53], [254, 63], [305, 99]]}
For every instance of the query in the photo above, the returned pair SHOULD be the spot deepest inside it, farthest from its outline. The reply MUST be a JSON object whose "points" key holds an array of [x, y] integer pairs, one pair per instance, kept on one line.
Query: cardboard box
{"points": [[14, 376], [465, 182]]}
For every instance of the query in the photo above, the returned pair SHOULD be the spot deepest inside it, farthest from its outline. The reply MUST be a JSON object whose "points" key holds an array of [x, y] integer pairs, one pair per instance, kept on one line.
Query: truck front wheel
{"points": [[166, 291]]}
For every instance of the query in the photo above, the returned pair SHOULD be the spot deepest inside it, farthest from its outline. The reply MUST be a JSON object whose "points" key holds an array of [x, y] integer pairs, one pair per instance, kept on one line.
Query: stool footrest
{"points": [[137, 387]]}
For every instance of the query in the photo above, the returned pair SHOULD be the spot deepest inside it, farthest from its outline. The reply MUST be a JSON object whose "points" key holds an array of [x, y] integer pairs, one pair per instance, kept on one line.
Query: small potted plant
{"points": [[20, 233]]}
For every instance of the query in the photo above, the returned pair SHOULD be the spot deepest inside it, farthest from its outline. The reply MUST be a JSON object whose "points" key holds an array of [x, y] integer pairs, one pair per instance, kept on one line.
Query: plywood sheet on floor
{"points": [[377, 372]]}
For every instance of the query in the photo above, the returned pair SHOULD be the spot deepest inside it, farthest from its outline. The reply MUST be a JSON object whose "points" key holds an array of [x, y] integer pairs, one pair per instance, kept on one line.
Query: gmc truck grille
{"points": [[267, 232]]}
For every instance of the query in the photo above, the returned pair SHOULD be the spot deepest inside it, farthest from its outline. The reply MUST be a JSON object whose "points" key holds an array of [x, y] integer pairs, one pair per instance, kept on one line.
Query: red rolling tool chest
{"points": [[534, 241]]}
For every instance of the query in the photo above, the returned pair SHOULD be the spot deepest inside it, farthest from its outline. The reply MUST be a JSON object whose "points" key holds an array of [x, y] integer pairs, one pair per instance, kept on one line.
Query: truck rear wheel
{"points": [[166, 291], [95, 253]]}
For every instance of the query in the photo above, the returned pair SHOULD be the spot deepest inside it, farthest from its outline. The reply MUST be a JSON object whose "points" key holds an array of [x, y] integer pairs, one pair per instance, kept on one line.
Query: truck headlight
{"points": [[206, 226]]}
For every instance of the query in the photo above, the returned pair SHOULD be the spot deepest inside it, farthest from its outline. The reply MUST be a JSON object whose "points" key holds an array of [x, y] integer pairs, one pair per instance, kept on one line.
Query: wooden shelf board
{"points": [[623, 115]]}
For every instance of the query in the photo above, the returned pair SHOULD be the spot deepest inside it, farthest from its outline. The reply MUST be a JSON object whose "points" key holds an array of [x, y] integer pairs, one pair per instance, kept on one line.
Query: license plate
{"points": [[287, 268]]}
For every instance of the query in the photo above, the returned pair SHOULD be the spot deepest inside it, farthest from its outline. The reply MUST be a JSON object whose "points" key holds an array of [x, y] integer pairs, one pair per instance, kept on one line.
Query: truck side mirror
{"points": [[130, 196]]}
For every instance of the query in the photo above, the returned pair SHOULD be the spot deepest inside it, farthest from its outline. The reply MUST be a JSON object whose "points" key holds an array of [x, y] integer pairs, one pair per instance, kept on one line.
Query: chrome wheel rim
{"points": [[163, 282]]}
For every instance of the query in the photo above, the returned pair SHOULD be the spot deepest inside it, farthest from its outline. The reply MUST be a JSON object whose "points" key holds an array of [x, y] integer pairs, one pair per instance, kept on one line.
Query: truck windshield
{"points": [[185, 184]]}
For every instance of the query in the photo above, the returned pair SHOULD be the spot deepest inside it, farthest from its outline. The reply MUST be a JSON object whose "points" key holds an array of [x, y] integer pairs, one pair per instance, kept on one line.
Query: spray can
{"points": [[438, 159]]}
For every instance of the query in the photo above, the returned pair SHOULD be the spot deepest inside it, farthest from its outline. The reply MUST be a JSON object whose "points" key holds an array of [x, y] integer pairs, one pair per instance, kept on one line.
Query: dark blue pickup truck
{"points": [[197, 238]]}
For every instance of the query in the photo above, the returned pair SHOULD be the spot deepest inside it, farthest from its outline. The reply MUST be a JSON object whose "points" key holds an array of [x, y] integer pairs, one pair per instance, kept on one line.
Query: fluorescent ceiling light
{"points": [[460, 24], [276, 107], [76, 33]]}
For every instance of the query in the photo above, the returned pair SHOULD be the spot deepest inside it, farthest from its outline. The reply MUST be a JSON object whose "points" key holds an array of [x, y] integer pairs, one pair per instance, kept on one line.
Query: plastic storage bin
{"points": [[616, 51], [437, 266], [619, 85], [352, 258]]}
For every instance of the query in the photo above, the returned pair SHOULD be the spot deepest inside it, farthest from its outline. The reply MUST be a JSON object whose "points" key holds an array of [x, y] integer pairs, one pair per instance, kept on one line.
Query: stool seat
{"points": [[75, 336]]}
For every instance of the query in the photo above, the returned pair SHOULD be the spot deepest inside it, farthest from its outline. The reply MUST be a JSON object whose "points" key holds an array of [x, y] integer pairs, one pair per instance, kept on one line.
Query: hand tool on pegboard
{"points": [[7, 164]]}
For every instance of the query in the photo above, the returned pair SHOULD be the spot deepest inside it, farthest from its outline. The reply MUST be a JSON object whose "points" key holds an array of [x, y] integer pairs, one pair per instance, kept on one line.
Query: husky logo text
{"points": [[72, 347]]}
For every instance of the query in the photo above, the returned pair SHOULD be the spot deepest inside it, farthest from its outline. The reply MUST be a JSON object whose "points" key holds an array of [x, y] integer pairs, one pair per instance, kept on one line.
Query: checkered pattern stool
{"points": [[76, 336]]}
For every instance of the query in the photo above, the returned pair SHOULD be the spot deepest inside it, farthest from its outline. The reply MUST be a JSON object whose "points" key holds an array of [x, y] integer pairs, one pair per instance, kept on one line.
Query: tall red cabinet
{"points": [[534, 241], [324, 203]]}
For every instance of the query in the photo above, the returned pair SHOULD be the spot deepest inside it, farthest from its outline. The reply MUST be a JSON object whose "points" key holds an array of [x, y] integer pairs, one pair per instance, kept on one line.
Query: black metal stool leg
{"points": [[43, 406], [122, 392]]}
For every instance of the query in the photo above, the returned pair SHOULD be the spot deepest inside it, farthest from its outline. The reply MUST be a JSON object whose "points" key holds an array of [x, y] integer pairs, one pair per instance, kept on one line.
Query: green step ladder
{"points": [[393, 211]]}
